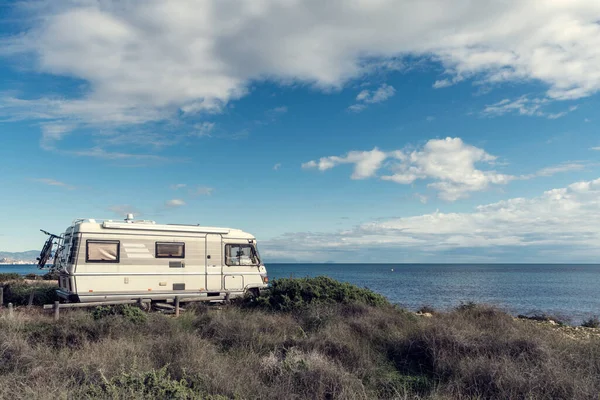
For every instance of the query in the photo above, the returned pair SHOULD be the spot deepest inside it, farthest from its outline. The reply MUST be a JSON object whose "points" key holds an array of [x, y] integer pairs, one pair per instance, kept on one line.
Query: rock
{"points": [[422, 314]]}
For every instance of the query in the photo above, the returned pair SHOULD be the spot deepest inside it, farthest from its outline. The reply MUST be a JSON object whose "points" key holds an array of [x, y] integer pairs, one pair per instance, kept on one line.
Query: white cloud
{"points": [[449, 163], [178, 186], [422, 198], [174, 203], [276, 167], [98, 152], [443, 83], [382, 94], [561, 224], [146, 61], [557, 169], [202, 191], [53, 182], [53, 132], [565, 167], [450, 166], [271, 115], [365, 97], [562, 113], [524, 106], [203, 129], [366, 163], [357, 107], [279, 110], [134, 138]]}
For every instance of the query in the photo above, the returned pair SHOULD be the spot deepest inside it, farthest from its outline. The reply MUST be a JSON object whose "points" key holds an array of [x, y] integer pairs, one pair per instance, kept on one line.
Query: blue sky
{"points": [[351, 133]]}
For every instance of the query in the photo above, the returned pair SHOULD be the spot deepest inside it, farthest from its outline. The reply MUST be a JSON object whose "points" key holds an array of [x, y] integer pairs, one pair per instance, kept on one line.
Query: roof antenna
{"points": [[129, 218]]}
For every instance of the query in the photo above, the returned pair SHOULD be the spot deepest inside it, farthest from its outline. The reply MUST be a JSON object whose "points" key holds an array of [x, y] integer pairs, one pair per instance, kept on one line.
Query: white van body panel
{"points": [[131, 268]]}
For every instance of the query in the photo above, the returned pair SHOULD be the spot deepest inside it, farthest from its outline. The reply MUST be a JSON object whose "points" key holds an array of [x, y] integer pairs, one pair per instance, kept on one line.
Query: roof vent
{"points": [[129, 218]]}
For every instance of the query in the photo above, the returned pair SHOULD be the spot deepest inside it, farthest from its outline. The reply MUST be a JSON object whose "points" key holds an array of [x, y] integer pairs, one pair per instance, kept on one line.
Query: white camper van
{"points": [[125, 260]]}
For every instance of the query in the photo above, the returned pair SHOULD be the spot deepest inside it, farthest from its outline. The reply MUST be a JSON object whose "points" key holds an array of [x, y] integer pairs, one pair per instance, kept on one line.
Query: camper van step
{"points": [[199, 298]]}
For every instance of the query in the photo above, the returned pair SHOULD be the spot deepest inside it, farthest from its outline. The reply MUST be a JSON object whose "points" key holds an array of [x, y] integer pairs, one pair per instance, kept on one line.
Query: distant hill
{"points": [[7, 256]]}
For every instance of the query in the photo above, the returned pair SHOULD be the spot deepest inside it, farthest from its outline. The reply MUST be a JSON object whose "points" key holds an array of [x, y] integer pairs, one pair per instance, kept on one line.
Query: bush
{"points": [[295, 294], [593, 322], [544, 318], [32, 277], [131, 313], [10, 276], [18, 294], [51, 276], [327, 351], [150, 385], [468, 306]]}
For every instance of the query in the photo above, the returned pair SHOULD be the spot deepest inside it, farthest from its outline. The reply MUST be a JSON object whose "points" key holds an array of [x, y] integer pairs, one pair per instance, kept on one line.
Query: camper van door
{"points": [[214, 262]]}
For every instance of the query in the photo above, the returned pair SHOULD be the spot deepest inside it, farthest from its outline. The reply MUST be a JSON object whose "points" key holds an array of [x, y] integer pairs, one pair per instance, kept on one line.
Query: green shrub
{"points": [[294, 294], [150, 385], [18, 294], [32, 277], [593, 322], [10, 276], [52, 275], [131, 313], [328, 351], [544, 318], [469, 305]]}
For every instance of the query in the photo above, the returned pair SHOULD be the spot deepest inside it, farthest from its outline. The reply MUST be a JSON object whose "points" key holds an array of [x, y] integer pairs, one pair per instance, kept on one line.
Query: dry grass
{"points": [[321, 352]]}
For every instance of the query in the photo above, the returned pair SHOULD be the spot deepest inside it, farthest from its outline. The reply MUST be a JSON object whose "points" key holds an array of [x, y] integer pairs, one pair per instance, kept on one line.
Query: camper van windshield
{"points": [[241, 254]]}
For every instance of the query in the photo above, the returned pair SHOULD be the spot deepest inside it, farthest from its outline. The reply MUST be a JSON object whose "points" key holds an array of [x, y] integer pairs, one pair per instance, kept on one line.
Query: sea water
{"points": [[567, 291]]}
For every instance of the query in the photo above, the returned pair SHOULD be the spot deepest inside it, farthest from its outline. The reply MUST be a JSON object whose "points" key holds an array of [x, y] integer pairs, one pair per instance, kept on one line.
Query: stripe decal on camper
{"points": [[137, 250]]}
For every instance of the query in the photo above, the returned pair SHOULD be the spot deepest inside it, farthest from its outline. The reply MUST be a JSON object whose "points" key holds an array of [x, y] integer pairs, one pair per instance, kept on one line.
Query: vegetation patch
{"points": [[544, 318], [155, 384], [10, 276], [51, 275], [593, 322], [18, 293], [297, 294], [329, 347], [130, 313]]}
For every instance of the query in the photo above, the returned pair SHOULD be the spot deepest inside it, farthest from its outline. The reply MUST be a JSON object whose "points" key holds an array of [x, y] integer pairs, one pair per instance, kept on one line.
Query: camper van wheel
{"points": [[144, 306], [252, 293]]}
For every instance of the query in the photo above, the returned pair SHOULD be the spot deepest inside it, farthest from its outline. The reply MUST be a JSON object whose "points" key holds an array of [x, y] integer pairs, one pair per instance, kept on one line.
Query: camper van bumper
{"points": [[70, 297]]}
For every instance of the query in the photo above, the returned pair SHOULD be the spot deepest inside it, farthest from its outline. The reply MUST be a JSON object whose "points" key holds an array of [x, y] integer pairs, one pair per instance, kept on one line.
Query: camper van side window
{"points": [[240, 254], [170, 250], [102, 251]]}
